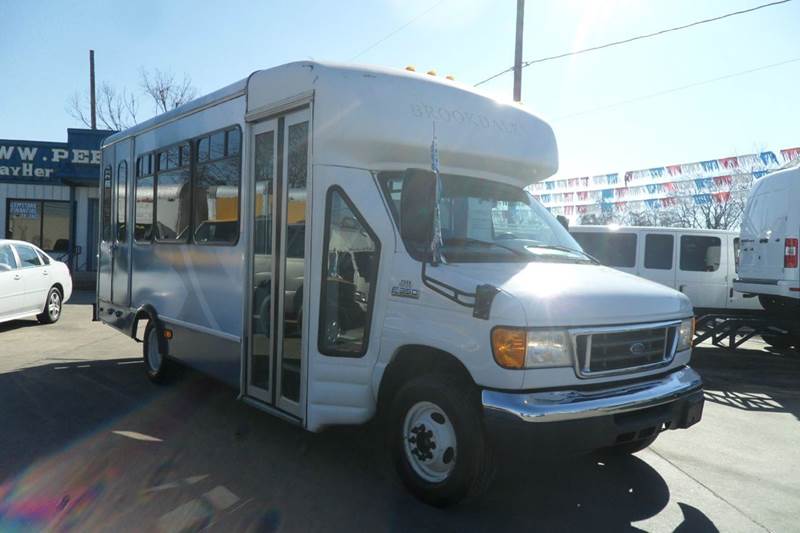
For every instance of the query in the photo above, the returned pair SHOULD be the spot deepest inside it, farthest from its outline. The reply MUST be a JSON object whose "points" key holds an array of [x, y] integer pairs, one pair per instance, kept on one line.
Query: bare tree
{"points": [[119, 109], [167, 93], [115, 110], [722, 210]]}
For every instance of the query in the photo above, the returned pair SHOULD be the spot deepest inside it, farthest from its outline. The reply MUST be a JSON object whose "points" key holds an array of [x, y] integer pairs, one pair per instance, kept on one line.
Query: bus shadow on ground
{"points": [[753, 380], [95, 446]]}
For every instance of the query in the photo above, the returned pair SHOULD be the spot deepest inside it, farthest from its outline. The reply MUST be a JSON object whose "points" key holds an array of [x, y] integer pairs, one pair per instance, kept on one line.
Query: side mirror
{"points": [[417, 205], [564, 221]]}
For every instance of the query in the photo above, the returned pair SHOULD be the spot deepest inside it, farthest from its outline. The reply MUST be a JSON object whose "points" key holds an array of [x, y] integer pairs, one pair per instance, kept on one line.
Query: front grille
{"points": [[617, 351]]}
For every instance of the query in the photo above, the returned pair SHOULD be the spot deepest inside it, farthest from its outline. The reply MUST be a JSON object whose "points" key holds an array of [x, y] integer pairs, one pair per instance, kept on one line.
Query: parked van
{"points": [[340, 242], [699, 263], [770, 236]]}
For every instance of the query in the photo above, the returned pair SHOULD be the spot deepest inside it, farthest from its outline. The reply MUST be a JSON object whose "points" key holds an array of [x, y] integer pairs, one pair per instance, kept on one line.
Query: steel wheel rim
{"points": [[54, 305], [429, 442], [153, 355]]}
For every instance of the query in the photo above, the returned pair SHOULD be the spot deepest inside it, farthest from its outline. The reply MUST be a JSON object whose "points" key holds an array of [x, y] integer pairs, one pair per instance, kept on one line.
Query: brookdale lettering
{"points": [[464, 117]]}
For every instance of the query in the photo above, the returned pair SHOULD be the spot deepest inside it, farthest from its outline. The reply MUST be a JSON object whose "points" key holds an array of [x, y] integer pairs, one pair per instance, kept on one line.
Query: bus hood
{"points": [[562, 294]]}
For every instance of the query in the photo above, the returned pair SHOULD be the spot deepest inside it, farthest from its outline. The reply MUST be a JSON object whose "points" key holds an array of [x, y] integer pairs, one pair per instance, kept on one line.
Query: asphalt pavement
{"points": [[88, 444]]}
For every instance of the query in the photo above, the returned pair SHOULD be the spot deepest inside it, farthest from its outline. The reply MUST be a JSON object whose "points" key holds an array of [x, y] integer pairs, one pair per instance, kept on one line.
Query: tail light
{"points": [[790, 253]]}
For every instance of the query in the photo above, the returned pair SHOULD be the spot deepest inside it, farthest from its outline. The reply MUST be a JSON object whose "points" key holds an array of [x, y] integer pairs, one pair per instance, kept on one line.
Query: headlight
{"points": [[685, 334], [518, 348]]}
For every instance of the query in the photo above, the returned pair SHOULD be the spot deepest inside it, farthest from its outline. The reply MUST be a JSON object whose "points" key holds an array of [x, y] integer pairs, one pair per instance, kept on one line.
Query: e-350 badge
{"points": [[405, 290]]}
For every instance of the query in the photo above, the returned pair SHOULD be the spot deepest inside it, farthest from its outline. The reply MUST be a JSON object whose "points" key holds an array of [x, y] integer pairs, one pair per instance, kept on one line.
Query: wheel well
{"points": [[143, 313], [417, 360], [60, 288]]}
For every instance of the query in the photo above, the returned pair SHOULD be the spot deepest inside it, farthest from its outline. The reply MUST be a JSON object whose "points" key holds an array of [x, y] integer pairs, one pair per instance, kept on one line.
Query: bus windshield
{"points": [[488, 221]]}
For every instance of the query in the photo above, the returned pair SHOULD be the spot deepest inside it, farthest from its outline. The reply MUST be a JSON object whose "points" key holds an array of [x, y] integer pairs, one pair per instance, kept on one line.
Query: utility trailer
{"points": [[730, 331]]}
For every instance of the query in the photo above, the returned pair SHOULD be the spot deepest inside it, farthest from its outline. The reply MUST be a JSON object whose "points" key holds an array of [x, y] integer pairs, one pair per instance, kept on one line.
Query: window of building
{"points": [[173, 203], [7, 259], [44, 223], [216, 189], [122, 201], [27, 256], [700, 253], [143, 218], [658, 250], [611, 249], [349, 273]]}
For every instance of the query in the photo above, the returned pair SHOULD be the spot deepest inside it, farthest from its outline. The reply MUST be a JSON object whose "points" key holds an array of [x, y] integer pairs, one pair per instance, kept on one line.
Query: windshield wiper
{"points": [[469, 240], [565, 249]]}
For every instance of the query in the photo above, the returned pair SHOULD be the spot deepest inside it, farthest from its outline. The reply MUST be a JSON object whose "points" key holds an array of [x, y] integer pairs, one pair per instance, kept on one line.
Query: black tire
{"points": [[781, 342], [628, 448], [52, 307], [473, 467], [780, 306], [159, 370]]}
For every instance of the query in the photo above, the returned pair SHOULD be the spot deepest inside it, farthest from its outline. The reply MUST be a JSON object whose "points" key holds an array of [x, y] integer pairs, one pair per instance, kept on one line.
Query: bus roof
{"points": [[383, 118]]}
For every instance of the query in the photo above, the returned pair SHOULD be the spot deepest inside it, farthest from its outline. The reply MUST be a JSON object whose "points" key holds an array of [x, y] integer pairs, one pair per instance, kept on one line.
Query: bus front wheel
{"points": [[437, 441]]}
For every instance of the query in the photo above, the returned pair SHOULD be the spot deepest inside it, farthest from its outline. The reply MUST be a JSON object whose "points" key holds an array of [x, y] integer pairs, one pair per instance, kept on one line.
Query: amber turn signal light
{"points": [[509, 346]]}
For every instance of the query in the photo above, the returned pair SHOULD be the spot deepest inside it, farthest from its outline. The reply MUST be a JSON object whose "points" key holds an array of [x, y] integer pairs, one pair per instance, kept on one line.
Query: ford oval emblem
{"points": [[637, 348]]}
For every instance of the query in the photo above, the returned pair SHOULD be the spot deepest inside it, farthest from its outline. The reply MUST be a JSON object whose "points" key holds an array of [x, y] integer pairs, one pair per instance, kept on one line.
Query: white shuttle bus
{"points": [[282, 234]]}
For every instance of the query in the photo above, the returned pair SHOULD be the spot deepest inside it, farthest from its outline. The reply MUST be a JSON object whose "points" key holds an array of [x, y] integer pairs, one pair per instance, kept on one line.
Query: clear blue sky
{"points": [[44, 44]]}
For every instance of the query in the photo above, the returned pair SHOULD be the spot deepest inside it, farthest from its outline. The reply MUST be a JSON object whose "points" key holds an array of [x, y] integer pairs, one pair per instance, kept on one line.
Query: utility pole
{"points": [[518, 52], [91, 90]]}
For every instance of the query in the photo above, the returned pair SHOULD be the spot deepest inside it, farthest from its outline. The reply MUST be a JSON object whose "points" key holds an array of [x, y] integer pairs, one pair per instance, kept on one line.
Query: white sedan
{"points": [[31, 283]]}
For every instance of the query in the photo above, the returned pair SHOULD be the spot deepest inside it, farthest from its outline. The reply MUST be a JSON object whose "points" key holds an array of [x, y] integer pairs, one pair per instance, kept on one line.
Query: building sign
{"points": [[32, 161], [41, 162], [23, 209]]}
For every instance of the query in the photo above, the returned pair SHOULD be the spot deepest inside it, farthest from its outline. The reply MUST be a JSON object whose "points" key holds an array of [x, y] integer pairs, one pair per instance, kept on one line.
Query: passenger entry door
{"points": [[280, 170]]}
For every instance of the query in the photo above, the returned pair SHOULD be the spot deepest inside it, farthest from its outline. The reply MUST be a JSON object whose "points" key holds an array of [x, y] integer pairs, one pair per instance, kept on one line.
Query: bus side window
{"points": [[216, 188], [122, 201], [143, 216], [106, 217]]}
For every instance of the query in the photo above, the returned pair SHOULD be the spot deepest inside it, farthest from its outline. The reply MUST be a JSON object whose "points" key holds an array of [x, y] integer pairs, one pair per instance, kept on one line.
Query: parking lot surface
{"points": [[87, 443]]}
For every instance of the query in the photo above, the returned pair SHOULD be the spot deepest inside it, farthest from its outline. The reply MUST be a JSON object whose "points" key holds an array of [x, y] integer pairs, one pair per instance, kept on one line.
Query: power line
{"points": [[397, 30], [676, 89], [635, 38]]}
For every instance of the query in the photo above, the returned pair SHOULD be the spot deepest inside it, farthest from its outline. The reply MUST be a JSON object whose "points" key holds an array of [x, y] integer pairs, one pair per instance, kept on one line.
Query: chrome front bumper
{"points": [[562, 405]]}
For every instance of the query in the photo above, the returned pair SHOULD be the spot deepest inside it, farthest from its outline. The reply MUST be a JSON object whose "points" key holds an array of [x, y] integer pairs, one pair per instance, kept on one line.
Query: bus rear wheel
{"points": [[157, 366], [437, 441]]}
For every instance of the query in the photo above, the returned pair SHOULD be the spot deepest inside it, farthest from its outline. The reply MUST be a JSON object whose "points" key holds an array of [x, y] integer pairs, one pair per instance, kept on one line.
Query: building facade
{"points": [[609, 197], [49, 195]]}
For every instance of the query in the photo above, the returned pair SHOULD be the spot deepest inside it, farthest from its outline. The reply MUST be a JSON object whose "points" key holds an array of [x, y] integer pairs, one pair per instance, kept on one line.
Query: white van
{"points": [[768, 264], [700, 263], [288, 249]]}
